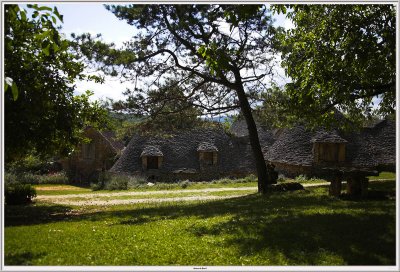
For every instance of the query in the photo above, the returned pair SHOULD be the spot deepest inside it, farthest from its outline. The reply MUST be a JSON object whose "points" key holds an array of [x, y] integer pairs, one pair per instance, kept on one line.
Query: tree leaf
{"points": [[14, 89], [46, 50], [23, 15], [44, 8], [59, 16]]}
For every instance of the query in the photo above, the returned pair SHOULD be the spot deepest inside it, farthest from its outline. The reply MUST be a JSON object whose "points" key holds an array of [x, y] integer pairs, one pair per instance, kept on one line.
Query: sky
{"points": [[94, 18]]}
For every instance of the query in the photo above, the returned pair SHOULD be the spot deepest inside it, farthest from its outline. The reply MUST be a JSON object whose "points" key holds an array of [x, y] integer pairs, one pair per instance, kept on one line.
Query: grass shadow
{"points": [[366, 239], [25, 215], [24, 258]]}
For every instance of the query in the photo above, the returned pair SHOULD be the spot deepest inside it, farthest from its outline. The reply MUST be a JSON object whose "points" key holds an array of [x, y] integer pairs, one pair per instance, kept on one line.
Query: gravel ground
{"points": [[94, 195], [93, 202], [91, 199]]}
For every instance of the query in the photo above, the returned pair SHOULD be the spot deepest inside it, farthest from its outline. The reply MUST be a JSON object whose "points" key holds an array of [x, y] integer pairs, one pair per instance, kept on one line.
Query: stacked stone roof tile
{"points": [[151, 151], [207, 147], [180, 150], [323, 136], [373, 147], [293, 146], [369, 148]]}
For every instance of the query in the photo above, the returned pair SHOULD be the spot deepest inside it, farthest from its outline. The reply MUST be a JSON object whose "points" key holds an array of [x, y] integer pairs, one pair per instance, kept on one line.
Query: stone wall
{"points": [[291, 170]]}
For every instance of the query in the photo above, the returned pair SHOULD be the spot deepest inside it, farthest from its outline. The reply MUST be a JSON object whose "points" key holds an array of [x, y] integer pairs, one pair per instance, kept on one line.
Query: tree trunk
{"points": [[254, 140], [335, 187]]}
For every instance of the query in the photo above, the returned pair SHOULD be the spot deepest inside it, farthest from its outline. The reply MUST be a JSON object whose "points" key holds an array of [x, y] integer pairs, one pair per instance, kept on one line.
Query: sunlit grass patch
{"points": [[384, 175]]}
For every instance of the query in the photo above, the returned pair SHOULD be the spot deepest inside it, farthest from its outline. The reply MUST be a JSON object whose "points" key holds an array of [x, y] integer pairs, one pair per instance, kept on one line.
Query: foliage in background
{"points": [[42, 114], [339, 57], [121, 122], [167, 108], [32, 163]]}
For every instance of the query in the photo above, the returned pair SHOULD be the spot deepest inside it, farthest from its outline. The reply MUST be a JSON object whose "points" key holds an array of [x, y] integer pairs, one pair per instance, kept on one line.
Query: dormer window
{"points": [[208, 158], [152, 158], [328, 147], [152, 162], [330, 152], [208, 154]]}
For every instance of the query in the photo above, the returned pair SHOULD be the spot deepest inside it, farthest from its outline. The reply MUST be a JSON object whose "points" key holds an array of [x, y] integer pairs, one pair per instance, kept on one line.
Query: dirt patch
{"points": [[95, 195], [135, 201], [58, 188]]}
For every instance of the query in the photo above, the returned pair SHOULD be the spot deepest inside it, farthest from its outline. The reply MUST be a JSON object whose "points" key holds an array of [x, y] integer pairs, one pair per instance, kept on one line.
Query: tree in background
{"points": [[339, 57], [220, 56], [161, 110], [42, 114]]}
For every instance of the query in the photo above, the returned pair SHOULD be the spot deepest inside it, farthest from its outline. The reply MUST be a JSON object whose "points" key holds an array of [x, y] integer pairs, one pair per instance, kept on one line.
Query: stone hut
{"points": [[96, 155], [334, 155], [211, 153], [196, 154]]}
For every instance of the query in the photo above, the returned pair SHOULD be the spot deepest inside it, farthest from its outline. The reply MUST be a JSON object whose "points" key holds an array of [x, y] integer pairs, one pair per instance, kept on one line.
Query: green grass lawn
{"points": [[384, 175], [293, 228]]}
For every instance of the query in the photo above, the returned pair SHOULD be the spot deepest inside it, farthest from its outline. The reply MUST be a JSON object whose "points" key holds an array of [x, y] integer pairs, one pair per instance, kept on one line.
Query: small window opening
{"points": [[152, 162], [208, 158], [329, 152]]}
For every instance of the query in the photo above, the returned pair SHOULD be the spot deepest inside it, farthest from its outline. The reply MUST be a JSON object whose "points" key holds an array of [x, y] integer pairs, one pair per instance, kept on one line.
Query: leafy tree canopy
{"points": [[339, 57], [42, 114], [167, 108]]}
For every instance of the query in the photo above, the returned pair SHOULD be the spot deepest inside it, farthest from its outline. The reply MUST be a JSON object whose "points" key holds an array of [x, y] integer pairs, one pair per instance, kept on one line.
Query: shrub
{"points": [[99, 183], [55, 178], [136, 181], [10, 178], [108, 181], [19, 194], [22, 178], [29, 178], [117, 182], [250, 178], [96, 186], [35, 165], [184, 184], [301, 178], [166, 186]]}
